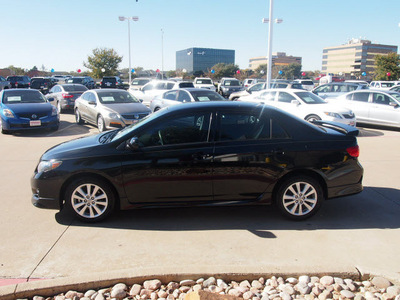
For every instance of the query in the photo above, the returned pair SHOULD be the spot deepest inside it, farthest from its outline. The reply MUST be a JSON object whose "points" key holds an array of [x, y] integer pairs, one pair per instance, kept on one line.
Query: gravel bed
{"points": [[303, 287]]}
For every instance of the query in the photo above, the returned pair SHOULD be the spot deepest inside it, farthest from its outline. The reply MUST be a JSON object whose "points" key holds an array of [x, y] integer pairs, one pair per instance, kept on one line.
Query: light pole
{"points": [[264, 20], [129, 39], [162, 53]]}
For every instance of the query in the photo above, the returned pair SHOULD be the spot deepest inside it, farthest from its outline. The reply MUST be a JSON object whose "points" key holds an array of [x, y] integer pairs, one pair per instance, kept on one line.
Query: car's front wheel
{"points": [[101, 125], [311, 118], [299, 197], [90, 199]]}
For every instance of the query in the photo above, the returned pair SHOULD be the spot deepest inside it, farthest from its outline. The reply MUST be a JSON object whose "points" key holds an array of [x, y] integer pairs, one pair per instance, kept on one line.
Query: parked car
{"points": [[335, 89], [255, 90], [138, 83], [19, 81], [4, 84], [251, 81], [64, 95], [395, 88], [109, 109], [179, 96], [376, 107], [25, 109], [84, 80], [43, 84], [111, 82], [152, 89], [305, 105], [208, 153], [228, 85], [382, 84], [306, 84], [204, 83]]}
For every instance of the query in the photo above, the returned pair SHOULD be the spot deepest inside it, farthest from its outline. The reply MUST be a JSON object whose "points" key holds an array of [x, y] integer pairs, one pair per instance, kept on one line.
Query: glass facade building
{"points": [[202, 59]]}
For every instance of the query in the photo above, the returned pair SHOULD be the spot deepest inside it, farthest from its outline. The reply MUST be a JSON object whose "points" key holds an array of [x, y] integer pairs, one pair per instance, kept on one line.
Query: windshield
{"points": [[128, 129], [232, 83], [395, 96], [116, 97], [75, 80], [206, 96], [309, 98], [140, 81], [18, 97], [387, 84]]}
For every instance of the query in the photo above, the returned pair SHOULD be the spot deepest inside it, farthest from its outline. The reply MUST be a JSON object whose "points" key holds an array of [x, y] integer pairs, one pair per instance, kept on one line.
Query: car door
{"points": [[92, 108], [384, 110], [284, 102], [169, 98], [359, 103], [249, 155], [173, 163]]}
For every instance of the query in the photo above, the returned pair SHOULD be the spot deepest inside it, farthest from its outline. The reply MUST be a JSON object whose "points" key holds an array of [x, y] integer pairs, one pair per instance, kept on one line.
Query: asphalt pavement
{"points": [[357, 234]]}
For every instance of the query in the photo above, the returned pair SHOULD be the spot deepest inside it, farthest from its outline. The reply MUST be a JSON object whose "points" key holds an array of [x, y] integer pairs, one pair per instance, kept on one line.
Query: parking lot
{"points": [[360, 232]]}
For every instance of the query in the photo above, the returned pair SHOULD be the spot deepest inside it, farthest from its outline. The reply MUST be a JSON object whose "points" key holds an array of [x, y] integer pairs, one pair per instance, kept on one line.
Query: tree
{"points": [[103, 59], [224, 70], [291, 71], [387, 64]]}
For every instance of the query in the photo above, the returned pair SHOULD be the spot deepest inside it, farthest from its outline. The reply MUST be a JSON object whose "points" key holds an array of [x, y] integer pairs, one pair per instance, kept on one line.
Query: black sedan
{"points": [[64, 95], [208, 153]]}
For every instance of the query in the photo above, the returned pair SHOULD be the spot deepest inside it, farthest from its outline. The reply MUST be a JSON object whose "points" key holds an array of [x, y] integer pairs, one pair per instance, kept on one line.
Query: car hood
{"points": [[37, 108], [81, 147], [125, 108]]}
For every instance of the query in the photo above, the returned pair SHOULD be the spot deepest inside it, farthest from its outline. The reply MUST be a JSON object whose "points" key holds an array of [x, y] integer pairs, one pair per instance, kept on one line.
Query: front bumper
{"points": [[45, 193], [16, 124]]}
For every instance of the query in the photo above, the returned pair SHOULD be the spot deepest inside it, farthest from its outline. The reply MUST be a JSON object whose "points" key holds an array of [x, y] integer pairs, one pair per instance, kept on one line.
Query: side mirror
{"points": [[133, 144], [50, 99], [295, 102], [394, 104], [92, 103]]}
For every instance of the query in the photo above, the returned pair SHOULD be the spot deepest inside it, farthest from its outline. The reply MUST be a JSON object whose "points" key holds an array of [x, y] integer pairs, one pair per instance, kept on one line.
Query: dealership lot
{"points": [[360, 231]]}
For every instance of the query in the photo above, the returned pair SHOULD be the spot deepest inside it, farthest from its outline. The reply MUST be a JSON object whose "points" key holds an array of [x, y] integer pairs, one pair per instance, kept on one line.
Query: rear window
{"points": [[231, 83], [186, 85], [203, 81], [75, 88], [140, 81], [109, 79]]}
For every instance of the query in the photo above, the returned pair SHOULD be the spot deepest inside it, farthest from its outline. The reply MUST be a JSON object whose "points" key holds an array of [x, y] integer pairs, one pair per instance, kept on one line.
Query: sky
{"points": [[60, 34]]}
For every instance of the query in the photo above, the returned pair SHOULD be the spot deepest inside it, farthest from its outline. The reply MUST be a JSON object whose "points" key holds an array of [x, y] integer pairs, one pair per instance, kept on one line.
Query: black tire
{"points": [[90, 199], [156, 109], [78, 117], [311, 118], [299, 197], [3, 131], [101, 125]]}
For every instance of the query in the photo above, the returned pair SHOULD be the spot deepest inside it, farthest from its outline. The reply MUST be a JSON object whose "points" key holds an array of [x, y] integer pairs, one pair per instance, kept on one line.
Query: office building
{"points": [[353, 58], [278, 59], [202, 59]]}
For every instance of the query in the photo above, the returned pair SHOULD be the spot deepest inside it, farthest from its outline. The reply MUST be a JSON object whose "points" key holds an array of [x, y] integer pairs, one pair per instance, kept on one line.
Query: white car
{"points": [[156, 87], [138, 83], [377, 107], [382, 84], [305, 105], [179, 96], [307, 84], [204, 83]]}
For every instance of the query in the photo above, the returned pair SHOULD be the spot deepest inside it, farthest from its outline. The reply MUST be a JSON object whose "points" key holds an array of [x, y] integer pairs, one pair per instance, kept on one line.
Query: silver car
{"points": [[377, 107], [109, 108], [179, 96]]}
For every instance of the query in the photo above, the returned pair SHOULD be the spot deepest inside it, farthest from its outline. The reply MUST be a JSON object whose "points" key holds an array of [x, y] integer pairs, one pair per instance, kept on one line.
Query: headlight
{"points": [[333, 115], [48, 165], [113, 115], [8, 113]]}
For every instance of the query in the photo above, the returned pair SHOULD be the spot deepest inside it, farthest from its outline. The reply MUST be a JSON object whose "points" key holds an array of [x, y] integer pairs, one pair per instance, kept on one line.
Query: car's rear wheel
{"points": [[299, 197], [59, 107], [78, 117], [311, 118], [90, 199], [101, 124]]}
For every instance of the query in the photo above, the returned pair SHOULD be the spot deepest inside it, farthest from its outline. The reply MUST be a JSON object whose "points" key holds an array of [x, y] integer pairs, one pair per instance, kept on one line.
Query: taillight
{"points": [[16, 84], [66, 96], [353, 151]]}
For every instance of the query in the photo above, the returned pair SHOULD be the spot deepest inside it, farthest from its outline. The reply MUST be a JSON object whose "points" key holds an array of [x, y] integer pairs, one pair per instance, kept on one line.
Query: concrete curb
{"points": [[52, 287]]}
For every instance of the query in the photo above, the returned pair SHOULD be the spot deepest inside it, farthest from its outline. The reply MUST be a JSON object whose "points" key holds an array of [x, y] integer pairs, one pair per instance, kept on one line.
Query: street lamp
{"points": [[162, 53], [129, 39], [264, 20]]}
